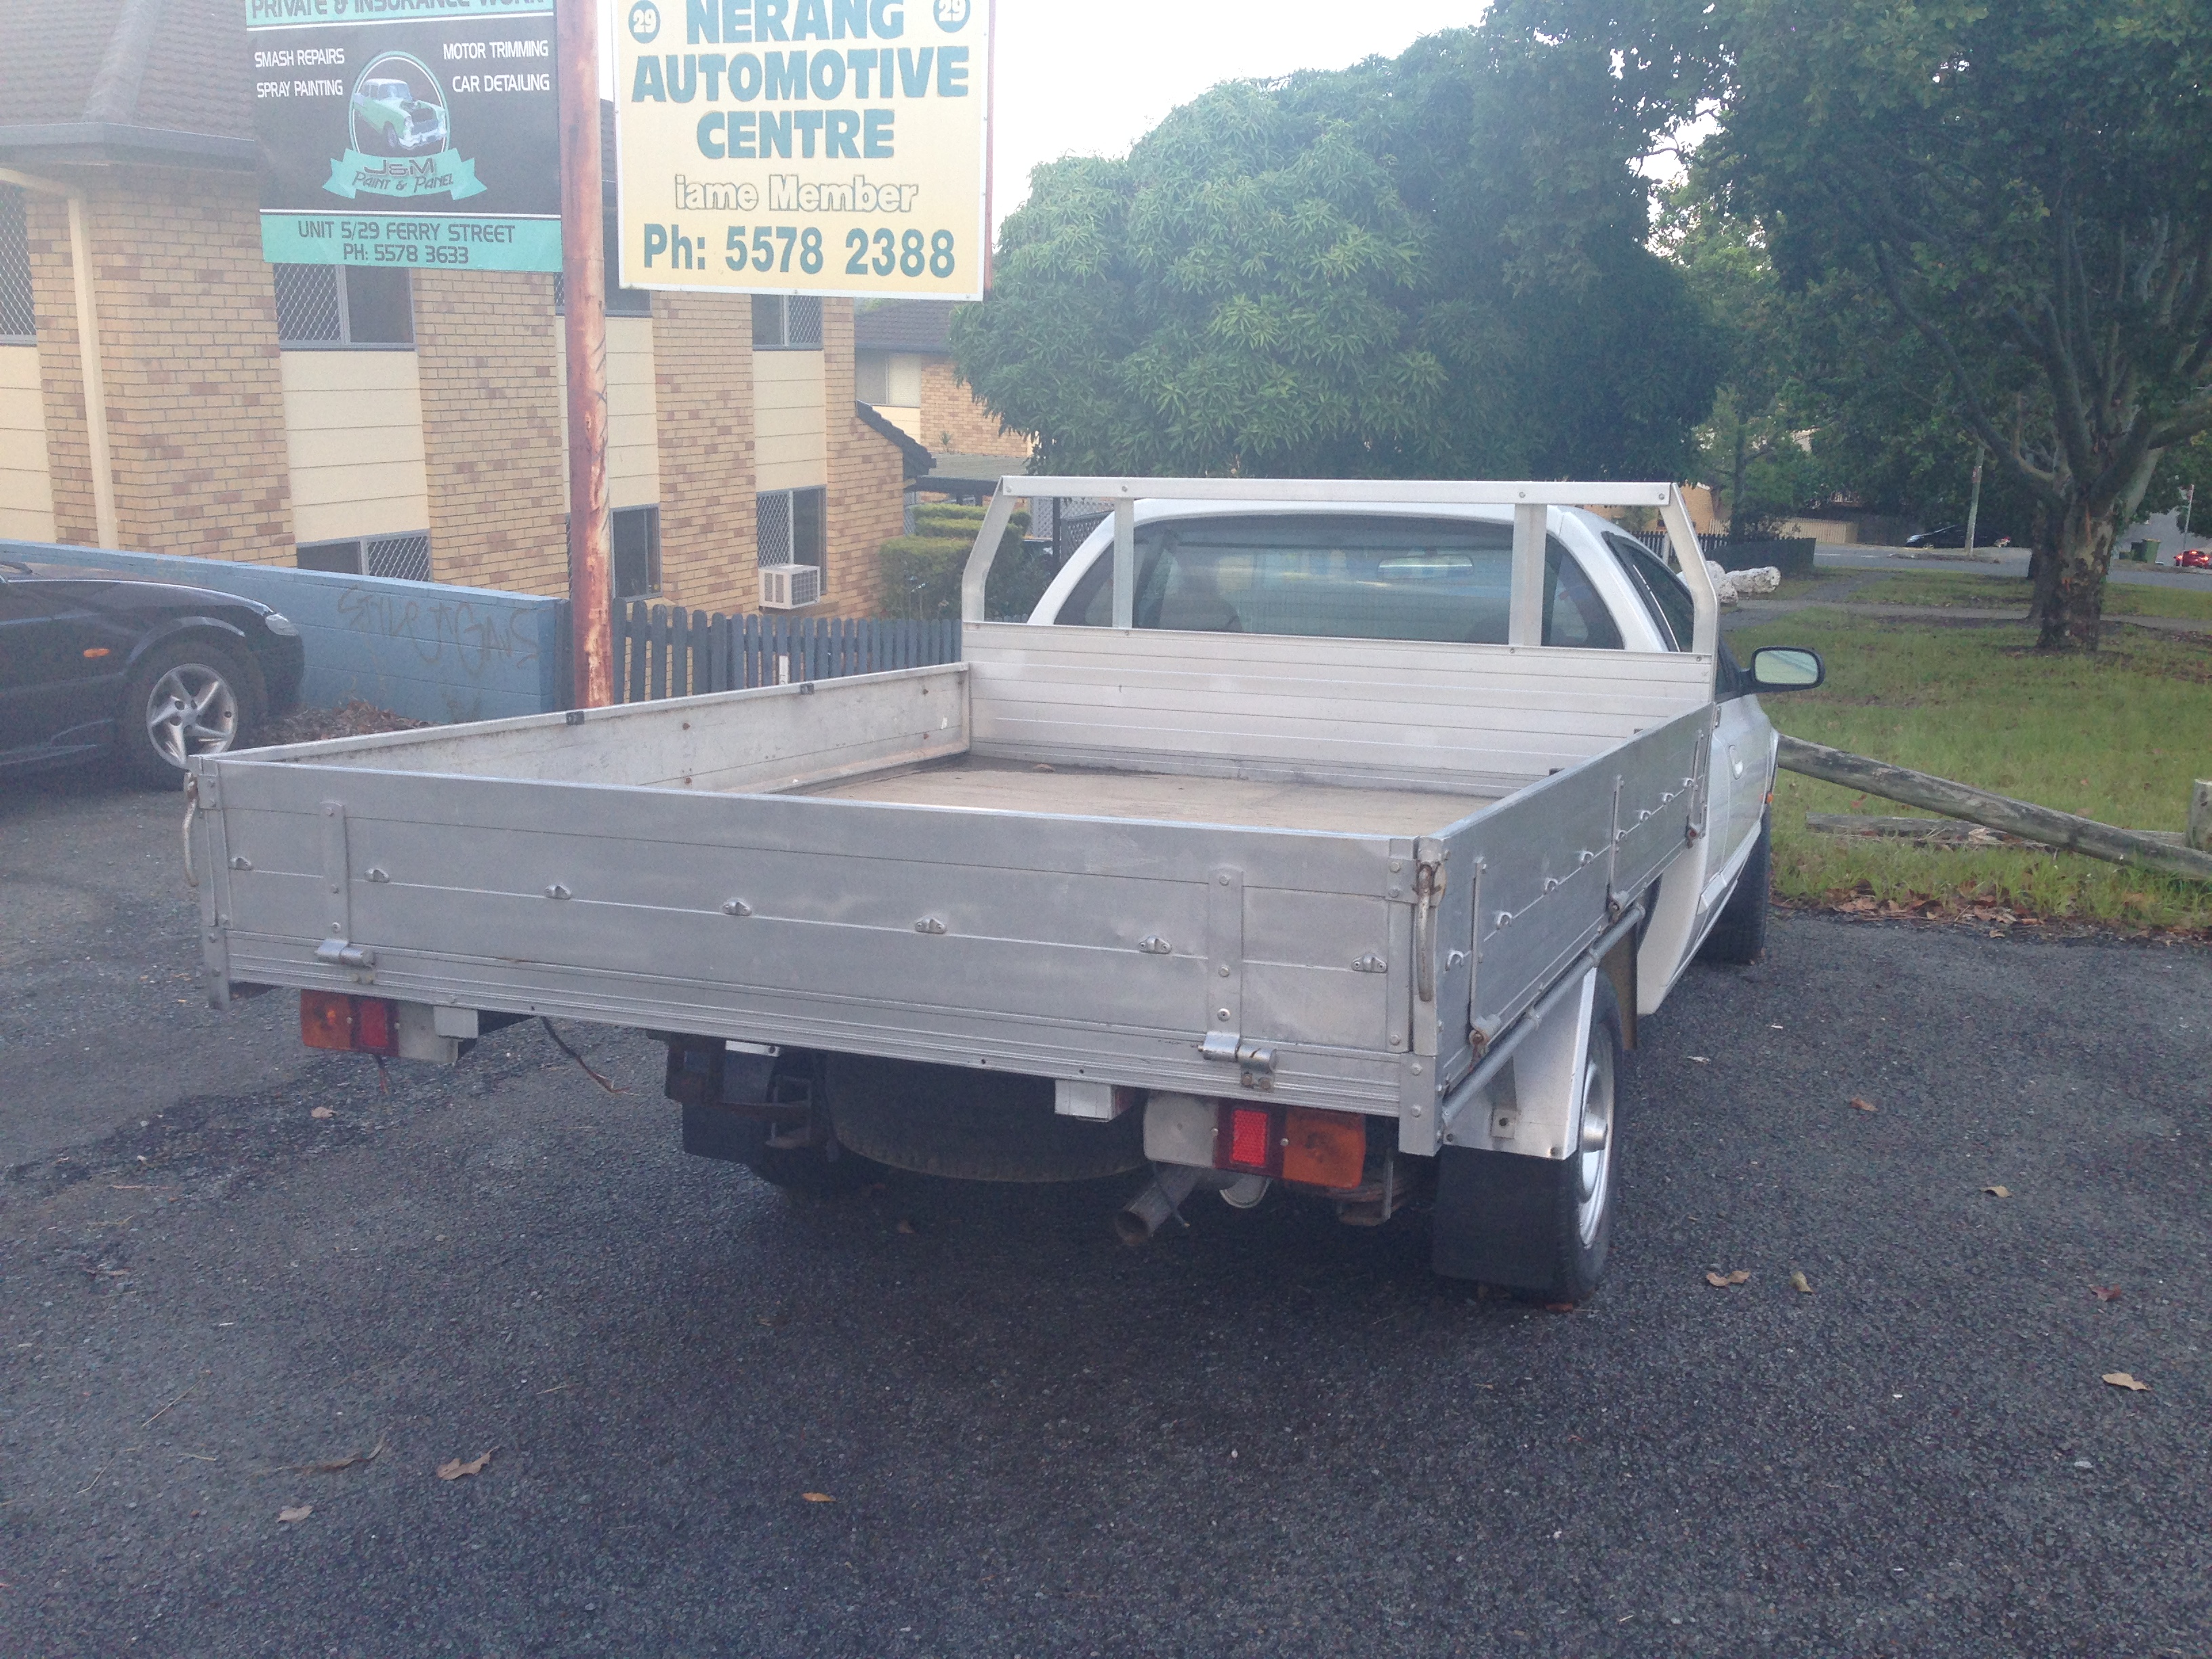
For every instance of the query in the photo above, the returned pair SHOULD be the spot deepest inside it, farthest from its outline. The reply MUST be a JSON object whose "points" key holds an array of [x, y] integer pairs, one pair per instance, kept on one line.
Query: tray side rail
{"points": [[1531, 883]]}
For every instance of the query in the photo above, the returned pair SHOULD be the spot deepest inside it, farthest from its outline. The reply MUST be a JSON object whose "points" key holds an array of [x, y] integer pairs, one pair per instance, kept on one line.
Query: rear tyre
{"points": [[1739, 938], [1539, 1226], [186, 697]]}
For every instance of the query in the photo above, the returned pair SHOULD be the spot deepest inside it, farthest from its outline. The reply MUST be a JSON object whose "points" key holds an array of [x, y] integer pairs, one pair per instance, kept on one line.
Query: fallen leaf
{"points": [[905, 1226], [1998, 1192], [1559, 1307], [1864, 1104], [455, 1469], [322, 1111], [2106, 1292], [817, 1497], [1799, 1282], [299, 1513], [2121, 1380], [331, 1466], [1722, 1281]]}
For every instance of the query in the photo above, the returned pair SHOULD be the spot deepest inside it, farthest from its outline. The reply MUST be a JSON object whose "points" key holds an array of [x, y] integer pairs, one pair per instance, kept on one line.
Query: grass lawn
{"points": [[2116, 737], [2004, 592]]}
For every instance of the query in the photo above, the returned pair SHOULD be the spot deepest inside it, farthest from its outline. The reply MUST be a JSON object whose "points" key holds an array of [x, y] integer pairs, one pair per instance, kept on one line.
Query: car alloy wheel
{"points": [[191, 710]]}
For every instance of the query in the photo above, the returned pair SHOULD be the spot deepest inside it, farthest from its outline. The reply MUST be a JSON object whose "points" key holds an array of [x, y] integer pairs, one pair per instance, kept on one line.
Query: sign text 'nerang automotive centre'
{"points": [[820, 146]]}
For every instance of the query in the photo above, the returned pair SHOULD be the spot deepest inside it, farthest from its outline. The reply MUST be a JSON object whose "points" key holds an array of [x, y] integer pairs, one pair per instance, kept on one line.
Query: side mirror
{"points": [[1786, 668]]}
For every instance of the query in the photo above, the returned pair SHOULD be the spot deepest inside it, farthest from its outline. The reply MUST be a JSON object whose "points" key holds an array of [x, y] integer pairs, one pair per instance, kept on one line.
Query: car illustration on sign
{"points": [[390, 119]]}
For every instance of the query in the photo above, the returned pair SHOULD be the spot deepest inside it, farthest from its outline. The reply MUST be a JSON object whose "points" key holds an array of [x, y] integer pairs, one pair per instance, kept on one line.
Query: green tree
{"points": [[2027, 187], [1753, 446], [1434, 266]]}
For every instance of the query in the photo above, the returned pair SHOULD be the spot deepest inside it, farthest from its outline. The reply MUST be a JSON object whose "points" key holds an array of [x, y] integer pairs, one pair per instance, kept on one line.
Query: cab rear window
{"points": [[1346, 576]]}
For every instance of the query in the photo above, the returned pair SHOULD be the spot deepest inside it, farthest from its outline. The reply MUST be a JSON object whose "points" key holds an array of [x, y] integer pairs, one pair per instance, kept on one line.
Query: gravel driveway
{"points": [[1269, 1434]]}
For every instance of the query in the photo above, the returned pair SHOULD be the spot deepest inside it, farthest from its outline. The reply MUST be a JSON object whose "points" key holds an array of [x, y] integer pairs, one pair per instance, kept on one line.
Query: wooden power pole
{"points": [[584, 321]]}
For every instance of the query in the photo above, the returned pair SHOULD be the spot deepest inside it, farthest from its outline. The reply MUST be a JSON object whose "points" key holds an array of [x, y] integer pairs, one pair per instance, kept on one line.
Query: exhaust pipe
{"points": [[1143, 1215]]}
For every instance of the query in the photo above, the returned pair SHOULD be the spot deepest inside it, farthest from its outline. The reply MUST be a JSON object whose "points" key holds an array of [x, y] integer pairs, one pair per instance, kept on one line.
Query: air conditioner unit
{"points": [[790, 587]]}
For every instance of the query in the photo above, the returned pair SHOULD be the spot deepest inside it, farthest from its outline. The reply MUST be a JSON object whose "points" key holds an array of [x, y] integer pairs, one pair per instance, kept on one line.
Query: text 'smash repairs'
{"points": [[407, 132]]}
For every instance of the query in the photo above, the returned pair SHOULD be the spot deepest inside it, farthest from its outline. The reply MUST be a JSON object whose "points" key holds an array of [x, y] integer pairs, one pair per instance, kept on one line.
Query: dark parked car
{"points": [[92, 663]]}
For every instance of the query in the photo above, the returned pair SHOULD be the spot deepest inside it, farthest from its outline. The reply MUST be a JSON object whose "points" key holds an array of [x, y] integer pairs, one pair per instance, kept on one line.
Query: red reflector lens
{"points": [[371, 1025], [332, 1020], [1249, 1137], [326, 1019]]}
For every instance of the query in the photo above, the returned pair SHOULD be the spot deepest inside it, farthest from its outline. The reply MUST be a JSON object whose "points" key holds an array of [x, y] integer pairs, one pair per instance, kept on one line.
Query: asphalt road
{"points": [[2001, 561], [1267, 1434]]}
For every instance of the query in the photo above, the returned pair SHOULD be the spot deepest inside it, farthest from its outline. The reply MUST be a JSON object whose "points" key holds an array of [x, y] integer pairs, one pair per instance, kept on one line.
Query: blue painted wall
{"points": [[424, 649]]}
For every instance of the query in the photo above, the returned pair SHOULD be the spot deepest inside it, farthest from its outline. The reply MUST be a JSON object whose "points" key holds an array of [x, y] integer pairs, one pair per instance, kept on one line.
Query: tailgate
{"points": [[1056, 946]]}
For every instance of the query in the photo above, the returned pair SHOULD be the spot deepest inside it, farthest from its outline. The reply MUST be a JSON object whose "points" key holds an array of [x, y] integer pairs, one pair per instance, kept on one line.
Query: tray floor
{"points": [[984, 784]]}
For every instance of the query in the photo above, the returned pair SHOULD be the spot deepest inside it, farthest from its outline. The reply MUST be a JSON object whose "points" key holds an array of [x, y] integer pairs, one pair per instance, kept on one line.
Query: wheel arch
{"points": [[171, 629]]}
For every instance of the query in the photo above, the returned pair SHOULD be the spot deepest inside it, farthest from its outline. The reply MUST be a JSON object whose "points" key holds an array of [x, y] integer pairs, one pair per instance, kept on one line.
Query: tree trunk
{"points": [[2070, 586]]}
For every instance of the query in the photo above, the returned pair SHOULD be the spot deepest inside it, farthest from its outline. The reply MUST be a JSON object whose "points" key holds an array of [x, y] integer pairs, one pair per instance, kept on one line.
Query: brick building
{"points": [[906, 373], [403, 423]]}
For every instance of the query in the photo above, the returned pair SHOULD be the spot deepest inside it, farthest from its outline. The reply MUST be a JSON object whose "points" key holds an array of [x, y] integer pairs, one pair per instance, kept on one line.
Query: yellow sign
{"points": [[807, 146]]}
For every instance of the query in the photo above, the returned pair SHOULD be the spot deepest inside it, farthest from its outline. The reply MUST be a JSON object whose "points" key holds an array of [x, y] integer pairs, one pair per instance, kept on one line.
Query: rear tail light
{"points": [[1324, 1149], [332, 1020], [1315, 1148]]}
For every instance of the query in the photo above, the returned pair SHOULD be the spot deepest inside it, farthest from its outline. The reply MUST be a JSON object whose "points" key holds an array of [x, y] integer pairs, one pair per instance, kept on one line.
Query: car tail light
{"points": [[1324, 1149], [1247, 1138], [332, 1020]]}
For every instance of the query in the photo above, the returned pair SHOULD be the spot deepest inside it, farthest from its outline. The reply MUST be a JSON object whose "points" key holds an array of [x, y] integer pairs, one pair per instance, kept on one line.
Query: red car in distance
{"points": [[2193, 558]]}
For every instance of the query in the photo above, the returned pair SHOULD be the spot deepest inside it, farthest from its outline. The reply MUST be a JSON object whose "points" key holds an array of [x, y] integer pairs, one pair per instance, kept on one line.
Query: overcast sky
{"points": [[1091, 77]]}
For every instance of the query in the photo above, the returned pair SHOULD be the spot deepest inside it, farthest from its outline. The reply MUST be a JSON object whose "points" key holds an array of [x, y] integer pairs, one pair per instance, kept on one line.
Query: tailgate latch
{"points": [[1255, 1061], [345, 955]]}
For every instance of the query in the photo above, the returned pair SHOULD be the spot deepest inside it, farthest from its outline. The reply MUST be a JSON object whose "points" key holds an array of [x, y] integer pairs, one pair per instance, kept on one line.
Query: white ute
{"points": [[1326, 836]]}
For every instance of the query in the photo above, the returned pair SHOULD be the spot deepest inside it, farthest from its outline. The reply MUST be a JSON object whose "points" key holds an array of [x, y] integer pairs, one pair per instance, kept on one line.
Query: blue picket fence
{"points": [[669, 652]]}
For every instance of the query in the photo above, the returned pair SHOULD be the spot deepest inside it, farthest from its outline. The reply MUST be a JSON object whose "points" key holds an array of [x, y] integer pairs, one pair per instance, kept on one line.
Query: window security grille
{"points": [[343, 306], [787, 322], [307, 311], [407, 557], [17, 319], [774, 511], [791, 548]]}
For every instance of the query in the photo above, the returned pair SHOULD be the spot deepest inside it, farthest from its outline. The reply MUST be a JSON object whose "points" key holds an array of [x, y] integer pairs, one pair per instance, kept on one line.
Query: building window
{"points": [[636, 536], [18, 324], [792, 529], [405, 556], [621, 302], [335, 306], [787, 322]]}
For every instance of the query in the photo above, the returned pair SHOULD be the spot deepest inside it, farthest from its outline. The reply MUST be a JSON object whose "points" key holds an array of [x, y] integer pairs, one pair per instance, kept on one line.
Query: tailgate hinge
{"points": [[1255, 1061]]}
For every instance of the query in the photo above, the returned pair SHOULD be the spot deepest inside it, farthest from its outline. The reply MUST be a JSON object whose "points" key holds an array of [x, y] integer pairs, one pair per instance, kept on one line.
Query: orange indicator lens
{"points": [[1326, 1149]]}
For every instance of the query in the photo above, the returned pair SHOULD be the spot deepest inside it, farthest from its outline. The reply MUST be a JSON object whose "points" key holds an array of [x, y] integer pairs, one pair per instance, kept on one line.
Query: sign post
{"points": [[584, 322]]}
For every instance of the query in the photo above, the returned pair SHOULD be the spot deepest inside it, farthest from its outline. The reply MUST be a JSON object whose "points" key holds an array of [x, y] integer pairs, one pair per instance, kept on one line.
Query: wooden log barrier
{"points": [[2018, 817]]}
